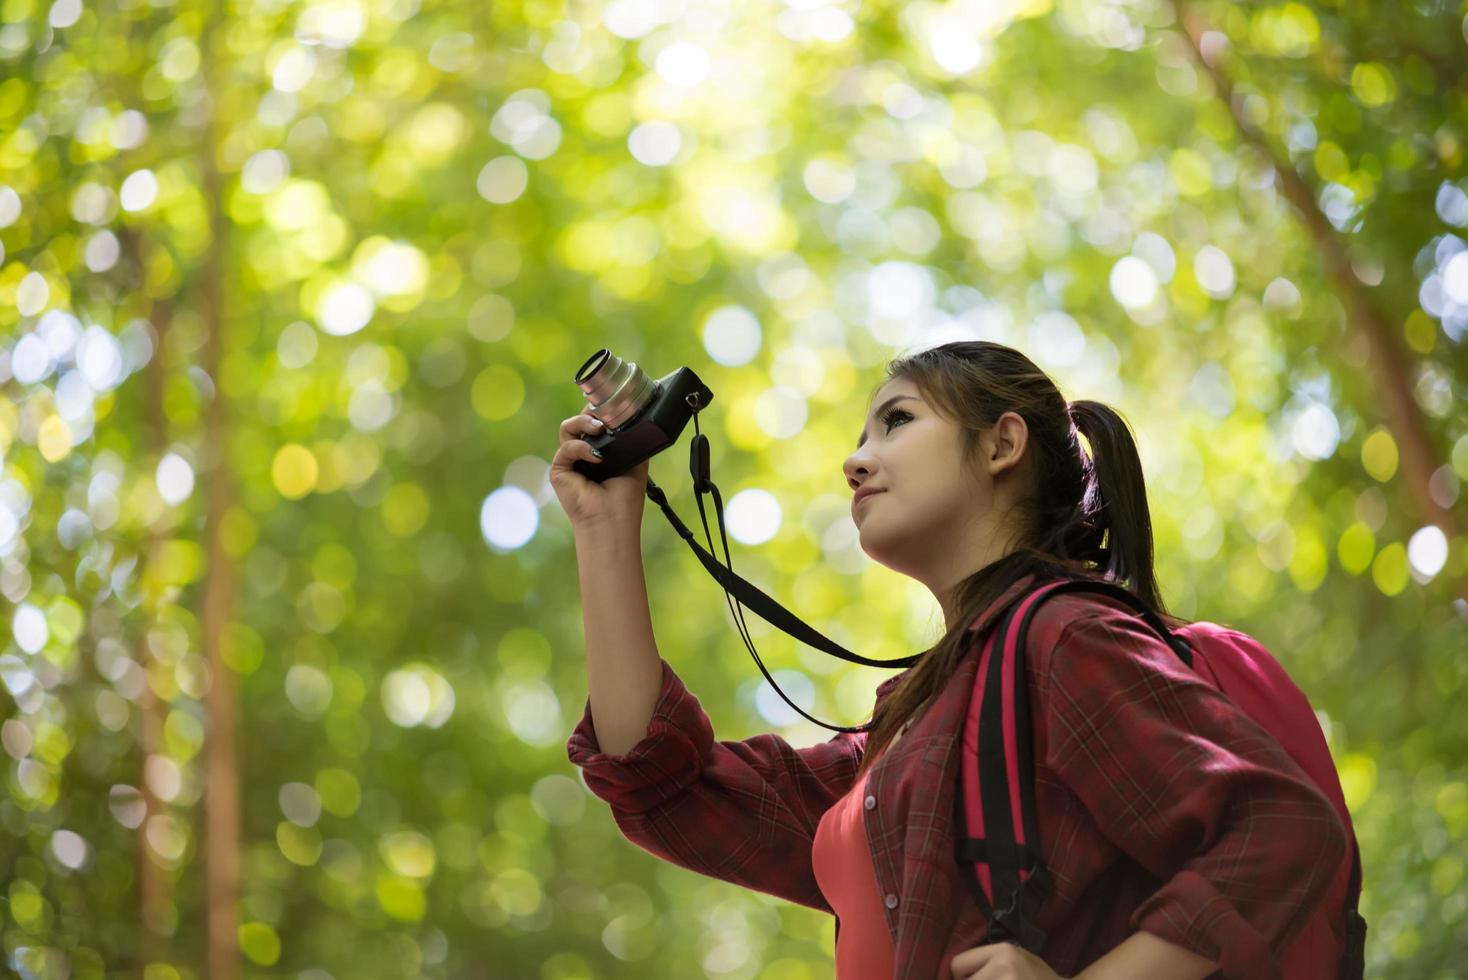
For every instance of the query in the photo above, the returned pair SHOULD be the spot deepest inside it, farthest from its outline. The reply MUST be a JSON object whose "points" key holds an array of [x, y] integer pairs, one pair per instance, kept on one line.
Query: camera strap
{"points": [[743, 592]]}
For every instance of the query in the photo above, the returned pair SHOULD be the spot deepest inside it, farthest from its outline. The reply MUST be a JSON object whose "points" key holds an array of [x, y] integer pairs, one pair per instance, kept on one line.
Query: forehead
{"points": [[899, 386]]}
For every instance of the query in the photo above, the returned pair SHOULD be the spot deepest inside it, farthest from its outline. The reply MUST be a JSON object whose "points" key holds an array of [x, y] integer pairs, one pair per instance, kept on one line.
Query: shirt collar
{"points": [[980, 623], [991, 612]]}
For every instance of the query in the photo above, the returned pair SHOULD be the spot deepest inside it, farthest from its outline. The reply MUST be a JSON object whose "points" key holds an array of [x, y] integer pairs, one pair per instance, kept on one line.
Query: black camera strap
{"points": [[743, 592]]}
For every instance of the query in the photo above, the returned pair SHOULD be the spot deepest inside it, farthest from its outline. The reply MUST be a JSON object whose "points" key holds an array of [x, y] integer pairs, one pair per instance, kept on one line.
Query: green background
{"points": [[292, 295]]}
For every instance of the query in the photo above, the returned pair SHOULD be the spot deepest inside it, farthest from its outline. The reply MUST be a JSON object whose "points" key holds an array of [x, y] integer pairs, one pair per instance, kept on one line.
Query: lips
{"points": [[857, 501]]}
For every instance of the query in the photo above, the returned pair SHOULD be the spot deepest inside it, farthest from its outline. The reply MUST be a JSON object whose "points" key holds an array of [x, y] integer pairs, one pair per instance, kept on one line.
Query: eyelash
{"points": [[891, 414]]}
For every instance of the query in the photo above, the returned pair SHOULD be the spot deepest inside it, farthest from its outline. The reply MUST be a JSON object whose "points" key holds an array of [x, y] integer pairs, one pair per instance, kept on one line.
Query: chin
{"points": [[872, 546]]}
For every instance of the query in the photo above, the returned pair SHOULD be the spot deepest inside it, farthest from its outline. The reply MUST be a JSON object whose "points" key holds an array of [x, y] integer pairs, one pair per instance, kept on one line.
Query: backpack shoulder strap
{"points": [[1353, 961], [997, 840]]}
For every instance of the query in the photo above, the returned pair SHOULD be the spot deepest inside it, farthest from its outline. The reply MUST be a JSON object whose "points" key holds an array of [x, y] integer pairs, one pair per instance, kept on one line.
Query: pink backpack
{"points": [[1004, 871]]}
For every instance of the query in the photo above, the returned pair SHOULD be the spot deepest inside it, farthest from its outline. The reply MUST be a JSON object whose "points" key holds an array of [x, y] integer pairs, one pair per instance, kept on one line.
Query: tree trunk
{"points": [[155, 889], [222, 780]]}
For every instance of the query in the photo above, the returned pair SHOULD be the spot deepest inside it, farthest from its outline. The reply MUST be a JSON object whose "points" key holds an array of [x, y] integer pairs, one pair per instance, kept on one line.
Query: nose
{"points": [[856, 468]]}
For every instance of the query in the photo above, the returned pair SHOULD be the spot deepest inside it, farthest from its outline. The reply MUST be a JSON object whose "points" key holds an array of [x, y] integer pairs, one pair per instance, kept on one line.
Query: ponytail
{"points": [[1114, 502]]}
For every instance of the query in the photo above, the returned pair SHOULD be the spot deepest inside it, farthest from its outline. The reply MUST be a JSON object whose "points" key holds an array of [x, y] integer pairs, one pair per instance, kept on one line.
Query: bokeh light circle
{"points": [[731, 335], [508, 518], [753, 516]]}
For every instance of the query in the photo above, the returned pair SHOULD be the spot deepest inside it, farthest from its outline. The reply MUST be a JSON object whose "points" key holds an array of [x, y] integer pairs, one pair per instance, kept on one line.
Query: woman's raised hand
{"points": [[613, 503]]}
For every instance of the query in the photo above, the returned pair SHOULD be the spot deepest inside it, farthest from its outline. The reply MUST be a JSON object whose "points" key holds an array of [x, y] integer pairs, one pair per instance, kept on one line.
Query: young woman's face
{"points": [[931, 518]]}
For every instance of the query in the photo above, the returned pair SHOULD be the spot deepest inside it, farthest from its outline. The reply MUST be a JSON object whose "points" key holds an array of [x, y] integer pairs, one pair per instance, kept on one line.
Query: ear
{"points": [[1007, 442]]}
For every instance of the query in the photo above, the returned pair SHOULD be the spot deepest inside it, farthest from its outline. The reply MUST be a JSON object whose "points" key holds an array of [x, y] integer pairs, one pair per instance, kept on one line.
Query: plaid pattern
{"points": [[1161, 806]]}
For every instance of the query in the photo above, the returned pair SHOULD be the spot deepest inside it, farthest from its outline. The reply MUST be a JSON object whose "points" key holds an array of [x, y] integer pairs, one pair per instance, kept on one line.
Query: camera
{"points": [[642, 416]]}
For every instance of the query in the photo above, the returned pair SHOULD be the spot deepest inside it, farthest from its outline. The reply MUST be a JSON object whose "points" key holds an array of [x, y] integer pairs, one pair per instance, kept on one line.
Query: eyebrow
{"points": [[882, 408]]}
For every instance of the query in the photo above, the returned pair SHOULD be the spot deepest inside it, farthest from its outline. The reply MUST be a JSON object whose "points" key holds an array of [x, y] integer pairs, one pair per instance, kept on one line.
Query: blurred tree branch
{"points": [[1420, 458]]}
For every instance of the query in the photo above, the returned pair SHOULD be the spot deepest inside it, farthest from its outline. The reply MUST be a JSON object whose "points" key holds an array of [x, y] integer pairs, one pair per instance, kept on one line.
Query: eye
{"points": [[891, 415]]}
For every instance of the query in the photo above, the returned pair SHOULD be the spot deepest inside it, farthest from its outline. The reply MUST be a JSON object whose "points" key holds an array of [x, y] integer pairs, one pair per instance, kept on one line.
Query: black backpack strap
{"points": [[1016, 902], [998, 849], [1353, 962], [994, 786]]}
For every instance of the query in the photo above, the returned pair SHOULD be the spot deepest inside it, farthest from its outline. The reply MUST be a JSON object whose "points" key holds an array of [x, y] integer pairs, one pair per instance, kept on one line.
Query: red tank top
{"points": [[842, 860]]}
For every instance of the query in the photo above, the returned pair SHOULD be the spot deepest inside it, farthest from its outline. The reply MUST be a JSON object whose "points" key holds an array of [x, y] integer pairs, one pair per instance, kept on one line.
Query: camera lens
{"points": [[616, 389]]}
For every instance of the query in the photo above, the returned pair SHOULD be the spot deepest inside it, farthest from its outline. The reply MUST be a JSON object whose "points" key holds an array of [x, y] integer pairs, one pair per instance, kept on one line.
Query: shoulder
{"points": [[1094, 624], [1072, 611]]}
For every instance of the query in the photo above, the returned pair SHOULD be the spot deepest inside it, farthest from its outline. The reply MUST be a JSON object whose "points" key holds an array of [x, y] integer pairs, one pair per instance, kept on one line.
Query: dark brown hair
{"points": [[1084, 517]]}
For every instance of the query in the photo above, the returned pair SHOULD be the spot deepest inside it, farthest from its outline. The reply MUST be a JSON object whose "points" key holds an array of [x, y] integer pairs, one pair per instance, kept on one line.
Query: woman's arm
{"points": [[622, 670], [1146, 955], [1141, 955], [740, 811], [744, 812]]}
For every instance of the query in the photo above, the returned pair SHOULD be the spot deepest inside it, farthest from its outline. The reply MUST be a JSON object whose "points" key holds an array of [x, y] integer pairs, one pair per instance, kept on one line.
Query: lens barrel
{"points": [[617, 390]]}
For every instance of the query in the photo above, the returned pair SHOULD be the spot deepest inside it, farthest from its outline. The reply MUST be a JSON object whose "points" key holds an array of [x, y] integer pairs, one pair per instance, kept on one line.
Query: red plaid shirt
{"points": [[1161, 807]]}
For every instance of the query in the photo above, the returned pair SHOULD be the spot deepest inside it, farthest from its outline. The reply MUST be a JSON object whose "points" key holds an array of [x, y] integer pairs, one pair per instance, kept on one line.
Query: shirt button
{"points": [[871, 801], [891, 900]]}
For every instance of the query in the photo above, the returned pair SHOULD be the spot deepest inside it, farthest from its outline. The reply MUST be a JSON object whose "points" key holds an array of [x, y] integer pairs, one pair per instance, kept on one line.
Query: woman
{"points": [[1183, 841]]}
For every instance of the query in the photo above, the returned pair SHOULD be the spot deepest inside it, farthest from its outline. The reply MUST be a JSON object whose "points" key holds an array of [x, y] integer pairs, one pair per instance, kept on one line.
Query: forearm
{"points": [[1144, 954], [623, 673]]}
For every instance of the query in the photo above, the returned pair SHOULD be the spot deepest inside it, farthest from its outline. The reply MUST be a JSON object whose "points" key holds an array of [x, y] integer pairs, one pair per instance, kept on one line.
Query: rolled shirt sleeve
{"points": [[745, 812], [1194, 790]]}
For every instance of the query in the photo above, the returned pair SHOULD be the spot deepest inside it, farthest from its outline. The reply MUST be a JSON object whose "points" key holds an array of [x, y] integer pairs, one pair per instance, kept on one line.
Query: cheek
{"points": [[943, 500]]}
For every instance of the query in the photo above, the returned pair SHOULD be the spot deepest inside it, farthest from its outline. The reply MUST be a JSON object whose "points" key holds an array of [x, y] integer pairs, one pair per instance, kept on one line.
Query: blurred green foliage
{"points": [[428, 215]]}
